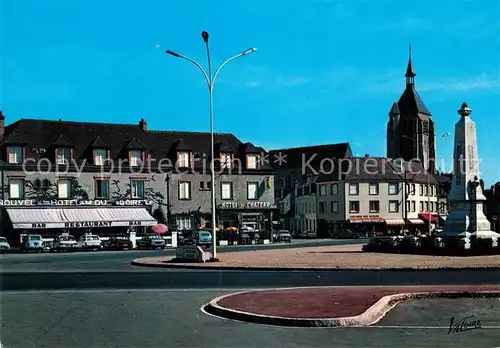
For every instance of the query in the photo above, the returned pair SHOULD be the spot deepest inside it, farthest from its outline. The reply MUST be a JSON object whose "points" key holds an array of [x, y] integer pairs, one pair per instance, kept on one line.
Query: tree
{"points": [[40, 190], [159, 215], [77, 191]]}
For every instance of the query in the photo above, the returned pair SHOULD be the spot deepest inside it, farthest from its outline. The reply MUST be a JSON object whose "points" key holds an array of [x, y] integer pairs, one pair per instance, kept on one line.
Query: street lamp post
{"points": [[210, 79], [429, 179]]}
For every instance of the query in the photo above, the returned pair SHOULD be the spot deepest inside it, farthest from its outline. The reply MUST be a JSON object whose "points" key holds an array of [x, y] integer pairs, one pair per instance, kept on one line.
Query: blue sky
{"points": [[324, 72]]}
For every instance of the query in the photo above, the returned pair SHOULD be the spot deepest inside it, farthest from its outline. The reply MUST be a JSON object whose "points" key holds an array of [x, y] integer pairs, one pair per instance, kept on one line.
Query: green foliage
{"points": [[40, 190], [77, 191], [149, 193], [159, 215]]}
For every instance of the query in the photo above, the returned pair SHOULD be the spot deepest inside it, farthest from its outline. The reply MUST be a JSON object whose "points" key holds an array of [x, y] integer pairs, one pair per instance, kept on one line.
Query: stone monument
{"points": [[466, 221]]}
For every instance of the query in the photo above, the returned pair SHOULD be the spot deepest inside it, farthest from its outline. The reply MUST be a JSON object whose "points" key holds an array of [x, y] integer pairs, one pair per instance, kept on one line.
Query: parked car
{"points": [[119, 243], [346, 234], [64, 243], [31, 242], [283, 236], [203, 238], [89, 242], [4, 245], [149, 242]]}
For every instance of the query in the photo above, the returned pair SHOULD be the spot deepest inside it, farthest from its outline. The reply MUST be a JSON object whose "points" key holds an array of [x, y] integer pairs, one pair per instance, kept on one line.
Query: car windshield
{"points": [[3, 240], [156, 236], [205, 234], [95, 237], [35, 237]]}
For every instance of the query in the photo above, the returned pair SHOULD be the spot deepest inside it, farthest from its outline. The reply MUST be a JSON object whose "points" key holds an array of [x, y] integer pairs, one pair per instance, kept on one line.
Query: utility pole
{"points": [[405, 200], [169, 213]]}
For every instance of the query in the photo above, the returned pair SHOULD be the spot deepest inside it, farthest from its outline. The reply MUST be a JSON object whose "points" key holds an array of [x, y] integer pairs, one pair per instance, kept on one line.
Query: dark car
{"points": [[119, 243]]}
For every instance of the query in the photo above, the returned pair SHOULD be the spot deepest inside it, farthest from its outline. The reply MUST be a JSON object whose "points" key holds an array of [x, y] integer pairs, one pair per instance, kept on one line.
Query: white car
{"points": [[64, 243], [4, 245], [89, 242]]}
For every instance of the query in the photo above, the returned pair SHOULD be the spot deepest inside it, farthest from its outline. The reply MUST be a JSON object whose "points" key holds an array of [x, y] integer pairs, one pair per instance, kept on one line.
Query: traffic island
{"points": [[322, 258], [331, 306]]}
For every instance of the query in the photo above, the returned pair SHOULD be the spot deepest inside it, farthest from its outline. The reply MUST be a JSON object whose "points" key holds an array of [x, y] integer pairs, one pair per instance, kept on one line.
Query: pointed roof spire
{"points": [[409, 69]]}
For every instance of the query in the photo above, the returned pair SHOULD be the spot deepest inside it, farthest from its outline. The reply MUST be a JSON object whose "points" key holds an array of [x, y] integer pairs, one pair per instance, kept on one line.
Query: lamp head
{"points": [[250, 50], [204, 35], [172, 53]]}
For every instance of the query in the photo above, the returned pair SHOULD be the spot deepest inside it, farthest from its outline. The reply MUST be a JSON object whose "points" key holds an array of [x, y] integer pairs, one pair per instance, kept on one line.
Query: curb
{"points": [[199, 266], [369, 317]]}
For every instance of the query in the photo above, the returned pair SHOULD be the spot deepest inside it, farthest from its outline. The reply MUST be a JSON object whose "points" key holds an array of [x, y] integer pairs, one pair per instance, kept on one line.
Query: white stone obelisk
{"points": [[466, 218]]}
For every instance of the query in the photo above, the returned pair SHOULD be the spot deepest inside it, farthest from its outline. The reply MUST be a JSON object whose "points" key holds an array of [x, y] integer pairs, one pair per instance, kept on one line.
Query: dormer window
{"points": [[62, 155], [183, 159], [135, 157], [252, 161], [226, 160], [15, 154], [99, 157]]}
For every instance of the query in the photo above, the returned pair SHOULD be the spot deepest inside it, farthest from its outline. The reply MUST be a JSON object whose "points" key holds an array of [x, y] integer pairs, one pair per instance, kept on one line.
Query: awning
{"points": [[394, 222], [416, 221], [43, 218], [427, 216], [365, 220]]}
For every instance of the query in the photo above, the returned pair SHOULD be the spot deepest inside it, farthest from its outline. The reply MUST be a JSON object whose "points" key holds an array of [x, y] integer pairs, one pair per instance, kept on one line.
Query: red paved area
{"points": [[327, 302]]}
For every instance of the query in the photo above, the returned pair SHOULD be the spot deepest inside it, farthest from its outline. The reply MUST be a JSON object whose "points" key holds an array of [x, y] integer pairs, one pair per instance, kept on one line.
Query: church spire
{"points": [[410, 75]]}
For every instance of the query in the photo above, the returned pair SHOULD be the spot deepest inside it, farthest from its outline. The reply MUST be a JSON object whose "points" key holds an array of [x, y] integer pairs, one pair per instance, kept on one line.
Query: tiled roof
{"points": [[83, 135], [251, 148], [394, 109], [294, 157], [410, 101], [99, 143], [135, 144], [362, 169]]}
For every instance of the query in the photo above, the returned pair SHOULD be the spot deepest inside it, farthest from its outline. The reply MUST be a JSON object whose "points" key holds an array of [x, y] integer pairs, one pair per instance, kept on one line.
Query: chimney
{"points": [[2, 124], [143, 125]]}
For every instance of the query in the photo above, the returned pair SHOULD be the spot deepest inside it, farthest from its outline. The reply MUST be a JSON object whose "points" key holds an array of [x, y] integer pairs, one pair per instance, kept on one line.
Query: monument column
{"points": [[466, 218]]}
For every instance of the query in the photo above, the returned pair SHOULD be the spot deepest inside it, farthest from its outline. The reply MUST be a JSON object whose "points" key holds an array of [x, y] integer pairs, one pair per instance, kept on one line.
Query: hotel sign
{"points": [[247, 205], [74, 202]]}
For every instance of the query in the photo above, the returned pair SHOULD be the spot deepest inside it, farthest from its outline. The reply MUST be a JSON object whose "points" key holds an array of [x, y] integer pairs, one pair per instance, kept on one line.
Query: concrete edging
{"points": [[371, 316], [200, 266]]}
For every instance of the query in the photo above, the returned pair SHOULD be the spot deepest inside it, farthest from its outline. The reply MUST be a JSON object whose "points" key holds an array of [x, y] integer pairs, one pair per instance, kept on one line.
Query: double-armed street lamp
{"points": [[434, 141], [210, 79]]}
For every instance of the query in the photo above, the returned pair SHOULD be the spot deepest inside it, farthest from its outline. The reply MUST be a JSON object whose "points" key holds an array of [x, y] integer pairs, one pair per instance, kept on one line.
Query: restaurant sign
{"points": [[247, 205], [80, 224], [74, 202]]}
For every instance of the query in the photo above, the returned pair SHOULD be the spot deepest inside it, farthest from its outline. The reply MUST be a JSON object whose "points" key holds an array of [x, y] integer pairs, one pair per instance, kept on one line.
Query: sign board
{"points": [[191, 253], [82, 224], [247, 205], [74, 202]]}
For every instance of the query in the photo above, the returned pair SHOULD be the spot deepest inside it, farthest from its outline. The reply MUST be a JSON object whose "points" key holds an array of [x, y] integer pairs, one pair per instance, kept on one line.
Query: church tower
{"points": [[410, 129]]}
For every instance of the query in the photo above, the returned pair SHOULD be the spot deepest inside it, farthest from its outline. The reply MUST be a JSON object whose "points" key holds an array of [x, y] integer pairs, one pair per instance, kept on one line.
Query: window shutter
{"points": [[181, 190], [191, 161], [24, 154], [143, 155], [108, 154]]}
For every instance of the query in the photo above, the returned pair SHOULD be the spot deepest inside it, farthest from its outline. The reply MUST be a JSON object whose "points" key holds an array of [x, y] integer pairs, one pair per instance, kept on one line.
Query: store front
{"points": [[367, 225], [54, 218], [258, 216], [395, 226], [416, 226]]}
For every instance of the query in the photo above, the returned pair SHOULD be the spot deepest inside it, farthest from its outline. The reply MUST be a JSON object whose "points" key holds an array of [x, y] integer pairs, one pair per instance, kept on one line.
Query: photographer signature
{"points": [[464, 325]]}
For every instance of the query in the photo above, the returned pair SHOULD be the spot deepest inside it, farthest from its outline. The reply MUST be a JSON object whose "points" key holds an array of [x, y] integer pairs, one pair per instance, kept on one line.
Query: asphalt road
{"points": [[173, 319], [100, 300], [118, 261]]}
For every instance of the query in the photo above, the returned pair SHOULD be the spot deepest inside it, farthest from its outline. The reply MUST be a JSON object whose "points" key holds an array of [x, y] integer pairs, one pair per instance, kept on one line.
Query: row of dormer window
{"points": [[63, 155]]}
